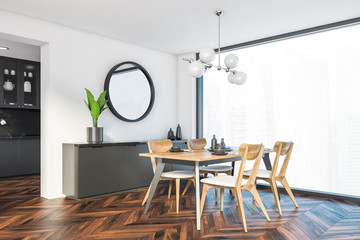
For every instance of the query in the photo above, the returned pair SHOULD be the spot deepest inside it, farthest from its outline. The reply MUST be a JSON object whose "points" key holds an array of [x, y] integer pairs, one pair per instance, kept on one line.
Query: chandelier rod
{"points": [[219, 38], [219, 13]]}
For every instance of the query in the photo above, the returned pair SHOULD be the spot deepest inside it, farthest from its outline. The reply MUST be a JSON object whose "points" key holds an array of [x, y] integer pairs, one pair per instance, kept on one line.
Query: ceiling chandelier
{"points": [[207, 55]]}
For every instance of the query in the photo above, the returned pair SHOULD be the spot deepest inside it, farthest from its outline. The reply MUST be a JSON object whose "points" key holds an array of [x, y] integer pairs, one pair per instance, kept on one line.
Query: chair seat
{"points": [[216, 168], [223, 180], [178, 174], [262, 173]]}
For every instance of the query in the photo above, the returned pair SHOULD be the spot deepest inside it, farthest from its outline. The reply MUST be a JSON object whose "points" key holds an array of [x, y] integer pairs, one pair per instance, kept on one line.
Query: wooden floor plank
{"points": [[25, 215]]}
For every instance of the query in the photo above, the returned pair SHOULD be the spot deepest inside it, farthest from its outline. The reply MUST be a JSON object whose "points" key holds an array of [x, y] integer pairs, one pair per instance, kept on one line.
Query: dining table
{"points": [[195, 158]]}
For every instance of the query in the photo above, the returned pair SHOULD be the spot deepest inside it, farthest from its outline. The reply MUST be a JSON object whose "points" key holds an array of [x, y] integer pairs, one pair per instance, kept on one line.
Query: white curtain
{"points": [[304, 89]]}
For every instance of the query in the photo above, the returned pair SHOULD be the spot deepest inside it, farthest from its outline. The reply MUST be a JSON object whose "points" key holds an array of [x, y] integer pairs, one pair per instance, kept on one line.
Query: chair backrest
{"points": [[249, 152], [159, 146], [196, 144], [281, 149]]}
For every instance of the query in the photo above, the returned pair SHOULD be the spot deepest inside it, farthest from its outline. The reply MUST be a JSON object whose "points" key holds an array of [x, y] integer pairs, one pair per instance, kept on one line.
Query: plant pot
{"points": [[94, 134]]}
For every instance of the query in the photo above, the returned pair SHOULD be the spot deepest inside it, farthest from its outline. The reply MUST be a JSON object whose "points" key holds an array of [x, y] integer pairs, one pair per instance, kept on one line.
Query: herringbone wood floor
{"points": [[25, 215]]}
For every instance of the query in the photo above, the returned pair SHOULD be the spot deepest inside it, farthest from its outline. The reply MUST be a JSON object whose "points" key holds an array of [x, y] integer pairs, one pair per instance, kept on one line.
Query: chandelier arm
{"points": [[225, 69], [208, 65], [189, 60]]}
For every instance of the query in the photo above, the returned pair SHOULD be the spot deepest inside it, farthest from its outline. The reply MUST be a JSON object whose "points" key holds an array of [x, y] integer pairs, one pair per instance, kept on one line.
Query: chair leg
{"points": [[237, 200], [193, 181], [203, 197], [216, 189], [276, 196], [241, 207], [222, 199], [170, 188], [288, 190], [256, 195], [232, 192], [255, 185], [186, 187], [147, 195], [177, 194]]}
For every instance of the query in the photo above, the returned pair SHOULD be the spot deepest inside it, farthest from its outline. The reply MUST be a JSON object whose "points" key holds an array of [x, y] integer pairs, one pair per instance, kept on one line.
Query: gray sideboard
{"points": [[91, 170]]}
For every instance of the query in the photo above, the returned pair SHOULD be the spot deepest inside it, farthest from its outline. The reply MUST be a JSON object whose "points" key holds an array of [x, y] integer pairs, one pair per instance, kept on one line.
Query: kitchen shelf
{"points": [[19, 83]]}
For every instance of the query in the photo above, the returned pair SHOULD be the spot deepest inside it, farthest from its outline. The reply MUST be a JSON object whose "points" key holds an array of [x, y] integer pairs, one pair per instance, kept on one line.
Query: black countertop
{"points": [[19, 137], [103, 144]]}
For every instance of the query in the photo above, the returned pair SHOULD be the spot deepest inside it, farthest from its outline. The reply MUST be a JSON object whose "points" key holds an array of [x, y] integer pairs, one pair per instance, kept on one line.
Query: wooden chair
{"points": [[199, 144], [248, 152], [164, 146], [281, 149]]}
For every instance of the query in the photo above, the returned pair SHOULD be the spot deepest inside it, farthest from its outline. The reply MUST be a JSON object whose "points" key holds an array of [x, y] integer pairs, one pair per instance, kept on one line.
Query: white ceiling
{"points": [[186, 25]]}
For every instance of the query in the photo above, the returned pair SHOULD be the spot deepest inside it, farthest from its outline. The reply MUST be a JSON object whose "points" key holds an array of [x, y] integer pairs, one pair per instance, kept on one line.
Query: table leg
{"points": [[233, 168], [197, 193], [266, 159], [159, 169]]}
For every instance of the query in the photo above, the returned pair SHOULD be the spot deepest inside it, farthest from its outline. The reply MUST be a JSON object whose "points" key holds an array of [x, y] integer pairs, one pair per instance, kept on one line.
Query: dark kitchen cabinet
{"points": [[19, 83], [19, 156]]}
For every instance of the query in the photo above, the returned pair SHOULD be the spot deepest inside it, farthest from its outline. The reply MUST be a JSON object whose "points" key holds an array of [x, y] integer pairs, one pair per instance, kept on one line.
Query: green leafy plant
{"points": [[96, 107]]}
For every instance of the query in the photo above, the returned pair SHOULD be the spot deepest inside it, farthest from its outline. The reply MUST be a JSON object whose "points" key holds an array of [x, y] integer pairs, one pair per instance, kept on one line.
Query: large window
{"points": [[305, 89]]}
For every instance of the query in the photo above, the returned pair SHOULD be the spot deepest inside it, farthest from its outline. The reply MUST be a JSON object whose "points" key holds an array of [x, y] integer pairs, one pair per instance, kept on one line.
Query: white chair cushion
{"points": [[178, 174], [216, 168], [222, 180], [262, 173]]}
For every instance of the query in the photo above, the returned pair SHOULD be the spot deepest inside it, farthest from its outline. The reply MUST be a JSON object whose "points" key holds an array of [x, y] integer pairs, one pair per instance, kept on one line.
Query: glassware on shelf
{"points": [[8, 86], [27, 86]]}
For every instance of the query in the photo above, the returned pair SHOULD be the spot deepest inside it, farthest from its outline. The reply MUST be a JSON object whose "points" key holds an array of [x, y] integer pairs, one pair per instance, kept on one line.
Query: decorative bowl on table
{"points": [[220, 151], [176, 149]]}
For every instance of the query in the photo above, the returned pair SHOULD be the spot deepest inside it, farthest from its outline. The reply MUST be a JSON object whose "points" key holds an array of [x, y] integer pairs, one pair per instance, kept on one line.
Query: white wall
{"points": [[186, 98], [72, 60]]}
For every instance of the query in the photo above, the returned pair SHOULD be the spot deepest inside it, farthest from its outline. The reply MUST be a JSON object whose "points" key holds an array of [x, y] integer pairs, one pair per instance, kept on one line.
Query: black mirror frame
{"points": [[107, 97]]}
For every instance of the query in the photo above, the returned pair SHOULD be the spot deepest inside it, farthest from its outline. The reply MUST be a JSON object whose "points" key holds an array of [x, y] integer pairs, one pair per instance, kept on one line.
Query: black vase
{"points": [[171, 135], [178, 132]]}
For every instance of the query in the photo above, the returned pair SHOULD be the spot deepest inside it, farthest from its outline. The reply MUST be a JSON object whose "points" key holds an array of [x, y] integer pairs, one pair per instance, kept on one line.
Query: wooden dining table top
{"points": [[196, 155]]}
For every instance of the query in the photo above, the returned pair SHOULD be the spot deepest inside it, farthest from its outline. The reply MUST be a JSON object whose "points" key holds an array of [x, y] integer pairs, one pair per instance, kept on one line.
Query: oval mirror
{"points": [[130, 91]]}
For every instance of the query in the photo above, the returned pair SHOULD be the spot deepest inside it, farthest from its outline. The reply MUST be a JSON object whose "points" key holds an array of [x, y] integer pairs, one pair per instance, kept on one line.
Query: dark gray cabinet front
{"points": [[9, 163], [29, 155], [19, 157], [96, 169], [106, 168]]}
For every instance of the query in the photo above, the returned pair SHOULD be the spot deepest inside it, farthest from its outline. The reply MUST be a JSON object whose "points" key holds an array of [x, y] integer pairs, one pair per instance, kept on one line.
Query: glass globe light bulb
{"points": [[239, 78], [231, 77], [231, 61], [196, 69], [207, 55]]}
